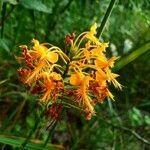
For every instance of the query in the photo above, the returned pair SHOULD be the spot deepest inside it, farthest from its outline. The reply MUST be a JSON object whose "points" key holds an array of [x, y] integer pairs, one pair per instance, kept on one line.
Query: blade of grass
{"points": [[132, 56], [7, 121], [32, 144], [1, 4], [20, 108], [3, 18], [50, 133], [33, 129], [3, 81], [105, 18], [8, 14]]}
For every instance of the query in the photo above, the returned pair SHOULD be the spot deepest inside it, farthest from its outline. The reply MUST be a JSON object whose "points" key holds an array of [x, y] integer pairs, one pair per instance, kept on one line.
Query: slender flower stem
{"points": [[54, 124], [51, 131], [131, 56], [34, 128], [3, 13], [105, 18]]}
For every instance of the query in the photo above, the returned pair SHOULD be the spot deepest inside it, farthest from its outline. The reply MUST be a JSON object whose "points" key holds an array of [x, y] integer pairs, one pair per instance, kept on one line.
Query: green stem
{"points": [[66, 7], [33, 129], [132, 56], [34, 144], [20, 108], [73, 106], [54, 124], [1, 5], [105, 18], [3, 17], [51, 131]]}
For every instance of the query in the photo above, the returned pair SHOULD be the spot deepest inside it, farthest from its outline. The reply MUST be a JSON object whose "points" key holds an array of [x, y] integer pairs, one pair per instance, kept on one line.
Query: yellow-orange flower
{"points": [[90, 71], [41, 58], [84, 74], [77, 79], [82, 81], [40, 52], [52, 85], [93, 29]]}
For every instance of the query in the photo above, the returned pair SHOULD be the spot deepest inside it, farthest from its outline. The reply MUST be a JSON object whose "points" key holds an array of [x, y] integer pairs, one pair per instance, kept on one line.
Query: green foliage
{"points": [[135, 117], [13, 2], [35, 5], [119, 125], [16, 141]]}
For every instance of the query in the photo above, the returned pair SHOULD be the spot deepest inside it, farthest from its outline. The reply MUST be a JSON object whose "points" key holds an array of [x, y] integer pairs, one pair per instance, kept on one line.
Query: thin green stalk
{"points": [[72, 106], [1, 5], [3, 17], [15, 114], [66, 7], [8, 14], [54, 124], [33, 144], [66, 70], [105, 18], [7, 121], [33, 129], [20, 108], [132, 56], [33, 16]]}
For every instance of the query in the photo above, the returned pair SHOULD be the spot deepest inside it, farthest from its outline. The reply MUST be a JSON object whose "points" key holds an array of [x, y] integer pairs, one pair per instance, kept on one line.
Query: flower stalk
{"points": [[105, 18]]}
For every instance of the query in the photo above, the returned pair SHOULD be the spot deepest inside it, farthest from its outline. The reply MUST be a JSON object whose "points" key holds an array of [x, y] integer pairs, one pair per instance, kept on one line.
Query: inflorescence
{"points": [[78, 77]]}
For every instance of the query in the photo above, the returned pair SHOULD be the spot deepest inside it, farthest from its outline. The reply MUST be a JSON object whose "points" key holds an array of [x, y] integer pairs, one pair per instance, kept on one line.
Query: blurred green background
{"points": [[120, 125]]}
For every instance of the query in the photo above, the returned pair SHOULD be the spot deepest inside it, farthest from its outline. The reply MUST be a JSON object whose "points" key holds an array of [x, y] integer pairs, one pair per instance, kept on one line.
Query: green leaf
{"points": [[1, 4], [3, 81], [105, 18], [4, 45], [30, 121], [33, 144], [36, 5], [13, 2], [147, 119], [135, 117], [132, 56]]}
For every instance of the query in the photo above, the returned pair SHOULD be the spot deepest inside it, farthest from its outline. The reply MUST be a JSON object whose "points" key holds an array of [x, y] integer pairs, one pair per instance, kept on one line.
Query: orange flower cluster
{"points": [[83, 74], [39, 73]]}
